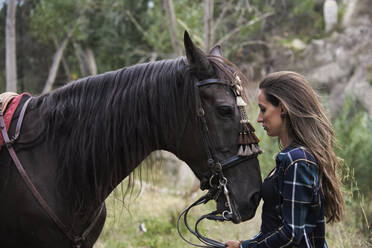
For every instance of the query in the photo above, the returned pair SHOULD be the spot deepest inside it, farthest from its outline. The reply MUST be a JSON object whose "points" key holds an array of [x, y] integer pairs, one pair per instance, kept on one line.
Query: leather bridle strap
{"points": [[210, 81], [208, 146], [77, 240], [208, 243]]}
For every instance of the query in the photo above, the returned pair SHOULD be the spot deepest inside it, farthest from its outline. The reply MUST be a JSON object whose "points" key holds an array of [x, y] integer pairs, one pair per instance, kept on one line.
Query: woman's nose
{"points": [[259, 118]]}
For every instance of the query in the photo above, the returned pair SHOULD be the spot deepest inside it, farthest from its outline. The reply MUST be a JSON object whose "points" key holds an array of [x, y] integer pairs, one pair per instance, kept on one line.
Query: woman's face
{"points": [[270, 116]]}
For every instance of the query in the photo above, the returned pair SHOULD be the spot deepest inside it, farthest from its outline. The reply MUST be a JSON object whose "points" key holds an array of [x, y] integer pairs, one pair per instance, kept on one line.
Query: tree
{"points": [[86, 60], [168, 5], [208, 24], [55, 21], [11, 59]]}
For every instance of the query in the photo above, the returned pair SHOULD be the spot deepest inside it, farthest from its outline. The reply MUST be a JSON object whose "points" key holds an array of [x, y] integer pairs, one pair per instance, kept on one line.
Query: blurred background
{"points": [[46, 43]]}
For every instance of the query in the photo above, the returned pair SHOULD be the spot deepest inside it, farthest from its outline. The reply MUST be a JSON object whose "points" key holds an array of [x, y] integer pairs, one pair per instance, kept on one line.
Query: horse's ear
{"points": [[216, 50], [197, 59]]}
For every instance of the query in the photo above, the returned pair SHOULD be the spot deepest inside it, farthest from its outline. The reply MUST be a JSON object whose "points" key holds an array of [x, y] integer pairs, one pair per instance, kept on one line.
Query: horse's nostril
{"points": [[256, 198]]}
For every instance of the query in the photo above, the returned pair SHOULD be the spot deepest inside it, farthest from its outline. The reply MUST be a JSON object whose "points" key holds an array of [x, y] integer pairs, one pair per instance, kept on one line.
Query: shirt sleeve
{"points": [[299, 185]]}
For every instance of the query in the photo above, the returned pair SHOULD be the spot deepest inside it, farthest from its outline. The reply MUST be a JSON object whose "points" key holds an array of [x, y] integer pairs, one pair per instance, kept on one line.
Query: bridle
{"points": [[77, 240], [215, 181]]}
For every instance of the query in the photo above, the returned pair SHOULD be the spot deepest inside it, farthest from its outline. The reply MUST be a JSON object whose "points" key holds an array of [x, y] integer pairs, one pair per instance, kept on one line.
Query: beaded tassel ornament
{"points": [[248, 141]]}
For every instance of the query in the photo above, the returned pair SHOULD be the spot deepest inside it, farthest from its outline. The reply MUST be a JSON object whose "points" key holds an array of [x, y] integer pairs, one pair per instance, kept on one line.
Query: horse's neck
{"points": [[117, 131], [145, 132]]}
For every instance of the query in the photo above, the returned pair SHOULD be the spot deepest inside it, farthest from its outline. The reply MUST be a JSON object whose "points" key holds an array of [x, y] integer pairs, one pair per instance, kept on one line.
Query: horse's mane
{"points": [[114, 119]]}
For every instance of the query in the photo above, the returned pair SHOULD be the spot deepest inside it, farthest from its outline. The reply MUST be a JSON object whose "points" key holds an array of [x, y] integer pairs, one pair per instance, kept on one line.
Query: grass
{"points": [[157, 209]]}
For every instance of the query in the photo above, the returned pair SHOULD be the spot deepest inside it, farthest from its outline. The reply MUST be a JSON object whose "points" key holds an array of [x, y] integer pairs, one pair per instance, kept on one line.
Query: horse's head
{"points": [[216, 136]]}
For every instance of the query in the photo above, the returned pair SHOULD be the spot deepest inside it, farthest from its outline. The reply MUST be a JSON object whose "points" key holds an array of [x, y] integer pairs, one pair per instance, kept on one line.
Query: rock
{"points": [[361, 88], [329, 75], [341, 63], [350, 8]]}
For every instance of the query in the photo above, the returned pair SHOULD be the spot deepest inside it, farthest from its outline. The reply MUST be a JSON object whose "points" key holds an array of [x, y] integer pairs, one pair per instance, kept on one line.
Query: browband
{"points": [[210, 81]]}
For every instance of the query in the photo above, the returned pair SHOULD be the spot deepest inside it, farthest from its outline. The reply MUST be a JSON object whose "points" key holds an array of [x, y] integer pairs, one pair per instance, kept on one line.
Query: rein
{"points": [[77, 240], [217, 182]]}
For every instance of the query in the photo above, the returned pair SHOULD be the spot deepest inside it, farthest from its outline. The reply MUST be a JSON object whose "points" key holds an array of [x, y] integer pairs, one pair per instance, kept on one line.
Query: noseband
{"points": [[215, 181]]}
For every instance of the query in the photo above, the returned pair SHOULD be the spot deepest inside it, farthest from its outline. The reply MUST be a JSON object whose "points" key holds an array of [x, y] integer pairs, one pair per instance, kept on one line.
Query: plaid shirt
{"points": [[299, 207]]}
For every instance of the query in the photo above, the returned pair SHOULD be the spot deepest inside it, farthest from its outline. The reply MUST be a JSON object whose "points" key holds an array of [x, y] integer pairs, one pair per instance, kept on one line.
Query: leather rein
{"points": [[77, 240], [216, 182]]}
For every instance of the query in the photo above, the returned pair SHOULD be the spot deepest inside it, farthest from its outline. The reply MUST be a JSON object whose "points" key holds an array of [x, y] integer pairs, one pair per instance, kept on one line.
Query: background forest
{"points": [[330, 42]]}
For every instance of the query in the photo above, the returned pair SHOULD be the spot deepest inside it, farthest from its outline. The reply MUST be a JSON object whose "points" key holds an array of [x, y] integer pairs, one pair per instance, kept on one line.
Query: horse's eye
{"points": [[225, 111]]}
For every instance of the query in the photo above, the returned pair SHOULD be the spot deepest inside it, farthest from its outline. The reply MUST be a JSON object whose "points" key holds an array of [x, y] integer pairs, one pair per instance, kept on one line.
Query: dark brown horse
{"points": [[78, 142]]}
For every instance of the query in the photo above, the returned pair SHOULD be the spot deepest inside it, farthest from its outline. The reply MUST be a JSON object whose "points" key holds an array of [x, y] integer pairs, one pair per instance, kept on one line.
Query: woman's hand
{"points": [[232, 244]]}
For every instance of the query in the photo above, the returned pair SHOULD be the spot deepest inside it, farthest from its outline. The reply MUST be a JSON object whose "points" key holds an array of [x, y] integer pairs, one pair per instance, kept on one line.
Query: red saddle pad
{"points": [[9, 112]]}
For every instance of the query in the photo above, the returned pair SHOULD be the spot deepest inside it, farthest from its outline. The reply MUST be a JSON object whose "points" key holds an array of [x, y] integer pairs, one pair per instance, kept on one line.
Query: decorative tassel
{"points": [[240, 102], [248, 151], [246, 139], [247, 127], [240, 151], [241, 138], [256, 140], [258, 148], [250, 127], [254, 149]]}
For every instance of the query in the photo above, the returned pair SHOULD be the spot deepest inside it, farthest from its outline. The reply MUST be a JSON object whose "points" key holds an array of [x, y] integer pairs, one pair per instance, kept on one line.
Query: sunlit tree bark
{"points": [[208, 24], [168, 5], [86, 60], [11, 59]]}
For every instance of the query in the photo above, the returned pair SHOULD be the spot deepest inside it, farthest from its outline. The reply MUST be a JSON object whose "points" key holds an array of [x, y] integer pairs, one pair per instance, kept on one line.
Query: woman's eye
{"points": [[225, 111]]}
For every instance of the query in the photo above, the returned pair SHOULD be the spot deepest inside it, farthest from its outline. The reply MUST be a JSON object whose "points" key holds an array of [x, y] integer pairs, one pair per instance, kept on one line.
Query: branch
{"points": [[10, 44], [138, 26], [59, 53], [237, 29], [221, 16], [255, 42], [168, 5], [208, 24], [194, 37]]}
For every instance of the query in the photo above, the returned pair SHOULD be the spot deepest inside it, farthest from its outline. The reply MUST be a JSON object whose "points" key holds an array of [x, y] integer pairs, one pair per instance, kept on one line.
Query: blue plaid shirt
{"points": [[299, 208]]}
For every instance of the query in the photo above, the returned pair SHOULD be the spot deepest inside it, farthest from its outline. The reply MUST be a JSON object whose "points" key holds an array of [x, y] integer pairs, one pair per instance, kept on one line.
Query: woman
{"points": [[303, 189]]}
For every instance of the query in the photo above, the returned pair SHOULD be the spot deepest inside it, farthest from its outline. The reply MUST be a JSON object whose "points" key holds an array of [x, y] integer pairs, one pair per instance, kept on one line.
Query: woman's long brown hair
{"points": [[309, 126]]}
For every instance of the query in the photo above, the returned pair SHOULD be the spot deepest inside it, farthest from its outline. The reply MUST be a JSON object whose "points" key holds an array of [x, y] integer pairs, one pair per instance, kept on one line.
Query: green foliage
{"points": [[55, 18], [109, 30], [353, 129], [122, 33], [369, 73]]}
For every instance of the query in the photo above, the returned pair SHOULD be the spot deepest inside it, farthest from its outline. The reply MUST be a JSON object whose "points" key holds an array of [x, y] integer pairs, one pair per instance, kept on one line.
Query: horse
{"points": [[79, 141]]}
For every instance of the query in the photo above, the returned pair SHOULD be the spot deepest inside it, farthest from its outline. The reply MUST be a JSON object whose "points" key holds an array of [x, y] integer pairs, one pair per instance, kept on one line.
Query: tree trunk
{"points": [[59, 53], [10, 40], [91, 61], [55, 64], [67, 70], [168, 5], [81, 58], [86, 60], [208, 23]]}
